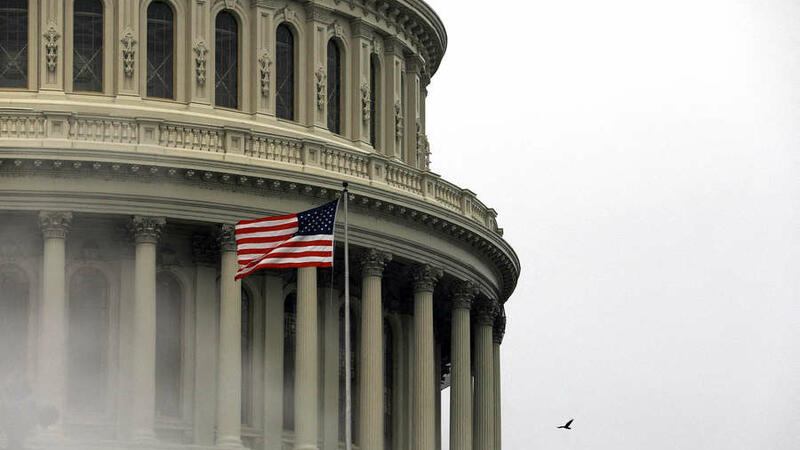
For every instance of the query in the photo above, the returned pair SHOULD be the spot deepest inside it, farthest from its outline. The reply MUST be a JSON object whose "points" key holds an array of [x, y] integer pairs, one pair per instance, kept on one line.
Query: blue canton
{"points": [[319, 220]]}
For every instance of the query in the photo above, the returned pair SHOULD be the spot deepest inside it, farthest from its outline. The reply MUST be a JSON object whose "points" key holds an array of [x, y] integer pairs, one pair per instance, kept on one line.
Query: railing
{"points": [[372, 168]]}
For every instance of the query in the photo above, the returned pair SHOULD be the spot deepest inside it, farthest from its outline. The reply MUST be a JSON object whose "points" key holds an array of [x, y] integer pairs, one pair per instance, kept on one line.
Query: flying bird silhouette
{"points": [[566, 425]]}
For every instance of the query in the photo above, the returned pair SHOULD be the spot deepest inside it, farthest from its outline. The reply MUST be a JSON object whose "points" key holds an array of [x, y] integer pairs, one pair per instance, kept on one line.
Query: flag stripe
{"points": [[273, 220], [266, 234], [283, 226]]}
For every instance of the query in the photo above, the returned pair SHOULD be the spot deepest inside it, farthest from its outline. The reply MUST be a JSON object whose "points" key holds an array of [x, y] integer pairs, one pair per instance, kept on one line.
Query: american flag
{"points": [[304, 239]]}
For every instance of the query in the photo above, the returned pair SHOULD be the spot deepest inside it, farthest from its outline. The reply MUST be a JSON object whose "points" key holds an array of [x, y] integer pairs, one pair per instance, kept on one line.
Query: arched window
{"points": [[169, 344], [14, 44], [87, 46], [87, 363], [226, 61], [13, 320], [289, 347], [334, 87], [284, 72], [388, 384], [247, 358], [374, 77], [160, 50]]}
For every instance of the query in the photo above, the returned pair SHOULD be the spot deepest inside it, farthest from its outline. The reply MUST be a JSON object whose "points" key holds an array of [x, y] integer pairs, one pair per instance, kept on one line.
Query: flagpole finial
{"points": [[344, 184]]}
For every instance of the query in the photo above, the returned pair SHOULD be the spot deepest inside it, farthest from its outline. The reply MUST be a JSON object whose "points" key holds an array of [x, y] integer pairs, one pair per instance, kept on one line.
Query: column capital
{"points": [[373, 262], [226, 236], [499, 327], [464, 293], [486, 310], [55, 224], [425, 277], [147, 229], [205, 250]]}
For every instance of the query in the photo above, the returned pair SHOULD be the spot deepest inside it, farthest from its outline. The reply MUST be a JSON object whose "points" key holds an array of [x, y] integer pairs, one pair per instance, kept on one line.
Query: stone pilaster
{"points": [[485, 314], [51, 370], [317, 66], [146, 232], [424, 405], [229, 367], [460, 372], [411, 110], [371, 387], [362, 48], [273, 361], [306, 397], [199, 74], [51, 65], [394, 122], [498, 332]]}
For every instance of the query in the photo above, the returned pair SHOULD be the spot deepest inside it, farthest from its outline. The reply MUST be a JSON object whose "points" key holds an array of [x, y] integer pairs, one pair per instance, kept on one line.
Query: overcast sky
{"points": [[644, 158]]}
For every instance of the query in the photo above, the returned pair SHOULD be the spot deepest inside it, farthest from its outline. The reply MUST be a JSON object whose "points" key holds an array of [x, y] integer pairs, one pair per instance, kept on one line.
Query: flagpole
{"points": [[348, 412]]}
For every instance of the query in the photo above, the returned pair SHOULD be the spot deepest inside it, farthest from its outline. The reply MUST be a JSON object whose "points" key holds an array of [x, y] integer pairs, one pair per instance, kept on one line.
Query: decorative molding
{"points": [[425, 277], [321, 77], [335, 29], [232, 4], [365, 101], [51, 46], [200, 53], [226, 235], [146, 229], [398, 119], [499, 327], [287, 14], [464, 293], [128, 51], [377, 46], [264, 63], [55, 224], [485, 311], [373, 262]]}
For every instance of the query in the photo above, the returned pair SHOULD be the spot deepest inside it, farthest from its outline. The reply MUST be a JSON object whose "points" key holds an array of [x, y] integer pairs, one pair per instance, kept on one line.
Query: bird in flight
{"points": [[566, 425]]}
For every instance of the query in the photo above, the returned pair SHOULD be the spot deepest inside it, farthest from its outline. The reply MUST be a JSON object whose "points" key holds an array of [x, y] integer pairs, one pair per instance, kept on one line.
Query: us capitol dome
{"points": [[135, 133]]}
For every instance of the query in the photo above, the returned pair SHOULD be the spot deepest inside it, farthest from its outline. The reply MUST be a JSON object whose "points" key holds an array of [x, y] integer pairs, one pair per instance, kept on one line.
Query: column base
{"points": [[229, 442]]}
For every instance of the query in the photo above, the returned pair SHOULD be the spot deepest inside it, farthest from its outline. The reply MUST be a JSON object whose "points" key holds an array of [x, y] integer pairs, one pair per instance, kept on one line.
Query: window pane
{"points": [[13, 321], [284, 72], [14, 44], [169, 326], [87, 55], [373, 96], [160, 50], [226, 61], [88, 338], [334, 87]]}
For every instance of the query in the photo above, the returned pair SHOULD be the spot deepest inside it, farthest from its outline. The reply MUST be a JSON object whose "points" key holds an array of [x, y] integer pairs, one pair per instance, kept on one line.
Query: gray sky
{"points": [[644, 159]]}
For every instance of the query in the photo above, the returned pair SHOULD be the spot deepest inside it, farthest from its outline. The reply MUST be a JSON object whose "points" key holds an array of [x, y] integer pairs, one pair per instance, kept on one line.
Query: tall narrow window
{"points": [[88, 341], [284, 72], [13, 320], [226, 61], [87, 46], [334, 87], [14, 44], [160, 50], [247, 358], [169, 326], [289, 343], [373, 99]]}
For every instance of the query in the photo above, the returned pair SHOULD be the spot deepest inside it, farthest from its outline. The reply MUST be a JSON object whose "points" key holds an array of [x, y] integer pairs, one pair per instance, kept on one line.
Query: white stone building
{"points": [[133, 133]]}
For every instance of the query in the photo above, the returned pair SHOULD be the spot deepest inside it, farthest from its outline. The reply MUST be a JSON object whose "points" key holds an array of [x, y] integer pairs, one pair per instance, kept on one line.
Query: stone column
{"points": [[407, 321], [229, 367], [146, 231], [412, 115], [306, 396], [273, 361], [371, 387], [205, 249], [423, 436], [437, 388], [51, 369], [498, 332], [486, 311], [393, 99], [460, 375], [330, 426]]}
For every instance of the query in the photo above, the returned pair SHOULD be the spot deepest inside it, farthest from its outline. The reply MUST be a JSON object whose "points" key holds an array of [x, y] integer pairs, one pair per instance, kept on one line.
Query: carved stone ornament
{"points": [[423, 149], [205, 249], [365, 101], [231, 4], [147, 229], [335, 28], [264, 63], [227, 237], [51, 46], [373, 262], [200, 52], [425, 277], [499, 327], [464, 293], [128, 51], [321, 84], [485, 311], [55, 224], [398, 119], [286, 13], [377, 46]]}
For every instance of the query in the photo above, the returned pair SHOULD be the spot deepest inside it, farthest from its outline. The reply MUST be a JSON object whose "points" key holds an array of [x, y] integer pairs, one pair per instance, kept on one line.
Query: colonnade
{"points": [[474, 405]]}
